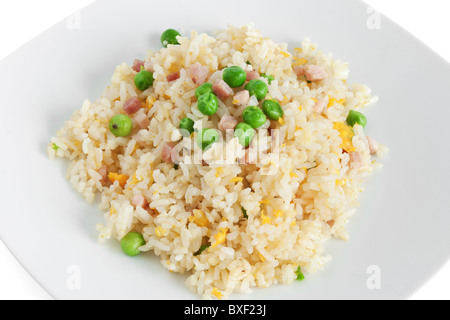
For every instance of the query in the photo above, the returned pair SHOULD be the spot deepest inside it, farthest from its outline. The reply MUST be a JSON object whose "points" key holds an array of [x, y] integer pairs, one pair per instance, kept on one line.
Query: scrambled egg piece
{"points": [[265, 219], [278, 213], [300, 61], [219, 170], [346, 133], [220, 237], [237, 179], [199, 218], [216, 293], [332, 101], [285, 54], [122, 178], [160, 231], [150, 101]]}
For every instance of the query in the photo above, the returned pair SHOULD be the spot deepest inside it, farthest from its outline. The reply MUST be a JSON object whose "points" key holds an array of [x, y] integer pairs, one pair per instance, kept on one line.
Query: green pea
{"points": [[355, 117], [187, 126], [169, 37], [245, 133], [120, 125], [143, 80], [257, 88], [207, 137], [269, 77], [272, 109], [131, 242], [234, 76], [208, 103], [254, 116], [204, 88]]}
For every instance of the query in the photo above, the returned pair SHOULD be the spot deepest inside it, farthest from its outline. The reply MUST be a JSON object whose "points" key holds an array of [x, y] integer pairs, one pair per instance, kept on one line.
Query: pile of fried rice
{"points": [[247, 221]]}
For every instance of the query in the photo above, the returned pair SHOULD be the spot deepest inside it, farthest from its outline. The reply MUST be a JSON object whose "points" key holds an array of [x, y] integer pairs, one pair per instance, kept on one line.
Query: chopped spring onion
{"points": [[202, 248], [299, 274]]}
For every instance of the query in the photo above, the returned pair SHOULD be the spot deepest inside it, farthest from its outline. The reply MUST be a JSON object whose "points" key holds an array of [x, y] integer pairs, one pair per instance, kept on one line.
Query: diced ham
{"points": [[139, 201], [249, 157], [132, 105], [174, 76], [148, 65], [142, 121], [373, 146], [167, 152], [198, 73], [103, 171], [175, 154], [321, 105], [315, 73], [299, 71], [137, 64], [252, 75], [228, 122], [241, 98], [222, 90], [356, 160]]}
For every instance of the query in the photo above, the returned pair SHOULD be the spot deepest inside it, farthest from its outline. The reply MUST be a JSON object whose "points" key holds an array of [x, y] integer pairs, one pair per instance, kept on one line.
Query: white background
{"points": [[22, 20]]}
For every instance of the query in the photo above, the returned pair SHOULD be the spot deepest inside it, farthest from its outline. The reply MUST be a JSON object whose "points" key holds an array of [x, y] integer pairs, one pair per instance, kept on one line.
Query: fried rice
{"points": [[236, 224]]}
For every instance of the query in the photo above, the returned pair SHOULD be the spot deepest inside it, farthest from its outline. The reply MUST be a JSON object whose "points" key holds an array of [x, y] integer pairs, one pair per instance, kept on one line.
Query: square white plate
{"points": [[400, 230]]}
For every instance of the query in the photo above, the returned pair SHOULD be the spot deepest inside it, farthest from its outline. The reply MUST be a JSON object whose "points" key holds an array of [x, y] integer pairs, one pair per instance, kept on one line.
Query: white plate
{"points": [[400, 230]]}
